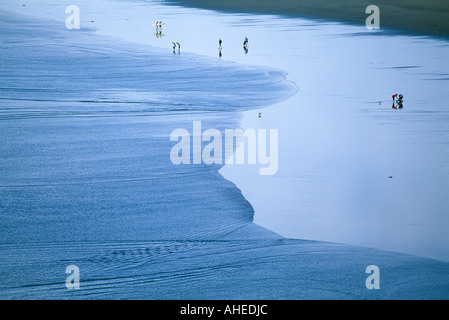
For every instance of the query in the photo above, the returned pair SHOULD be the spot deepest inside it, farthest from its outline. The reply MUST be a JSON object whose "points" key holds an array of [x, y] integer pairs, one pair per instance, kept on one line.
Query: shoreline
{"points": [[414, 16], [135, 83], [343, 166], [347, 42], [233, 266]]}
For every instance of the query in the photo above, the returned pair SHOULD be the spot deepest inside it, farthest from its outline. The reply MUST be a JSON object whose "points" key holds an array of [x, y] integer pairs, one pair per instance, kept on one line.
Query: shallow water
{"points": [[351, 168]]}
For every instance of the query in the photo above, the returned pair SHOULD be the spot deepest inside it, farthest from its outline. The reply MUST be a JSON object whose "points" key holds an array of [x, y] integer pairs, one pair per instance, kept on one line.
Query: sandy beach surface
{"points": [[87, 180]]}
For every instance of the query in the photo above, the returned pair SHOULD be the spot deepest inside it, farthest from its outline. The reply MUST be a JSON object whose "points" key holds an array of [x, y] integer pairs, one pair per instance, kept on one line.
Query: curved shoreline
{"points": [[356, 39]]}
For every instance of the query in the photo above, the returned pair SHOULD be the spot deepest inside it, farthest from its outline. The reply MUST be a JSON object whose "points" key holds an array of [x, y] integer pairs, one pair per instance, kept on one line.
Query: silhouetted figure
{"points": [[397, 101], [159, 26], [245, 45]]}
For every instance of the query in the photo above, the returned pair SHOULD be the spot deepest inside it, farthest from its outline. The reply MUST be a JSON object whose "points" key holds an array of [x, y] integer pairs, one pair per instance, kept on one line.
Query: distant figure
{"points": [[174, 47], [394, 98], [219, 44], [260, 114], [179, 46], [158, 27], [245, 45], [397, 101]]}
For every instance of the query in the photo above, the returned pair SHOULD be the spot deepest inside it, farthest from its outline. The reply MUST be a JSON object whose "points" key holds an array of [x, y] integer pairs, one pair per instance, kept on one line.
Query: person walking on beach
{"points": [[219, 44], [398, 99], [174, 46], [245, 45], [179, 46], [394, 100]]}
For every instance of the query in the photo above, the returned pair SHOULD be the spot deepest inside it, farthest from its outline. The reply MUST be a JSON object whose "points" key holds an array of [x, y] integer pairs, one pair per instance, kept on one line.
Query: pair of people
{"points": [[159, 25], [398, 99], [177, 44], [245, 43]]}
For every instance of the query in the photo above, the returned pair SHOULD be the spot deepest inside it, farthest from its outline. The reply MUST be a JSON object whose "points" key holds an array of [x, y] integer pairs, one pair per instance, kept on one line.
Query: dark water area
{"points": [[404, 17]]}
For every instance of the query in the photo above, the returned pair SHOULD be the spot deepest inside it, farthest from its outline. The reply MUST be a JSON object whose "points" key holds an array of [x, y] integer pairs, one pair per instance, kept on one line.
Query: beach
{"points": [[425, 18], [86, 177]]}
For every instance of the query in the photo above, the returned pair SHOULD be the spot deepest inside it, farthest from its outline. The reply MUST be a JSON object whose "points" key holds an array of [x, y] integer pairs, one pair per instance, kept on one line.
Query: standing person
{"points": [[179, 46], [160, 26], [399, 101], [394, 97], [219, 44], [245, 45], [174, 46]]}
